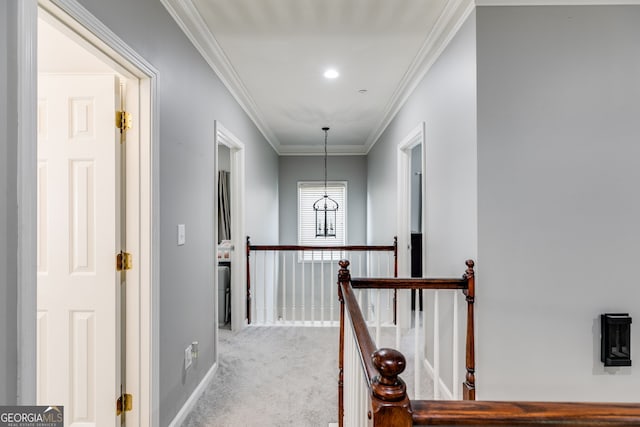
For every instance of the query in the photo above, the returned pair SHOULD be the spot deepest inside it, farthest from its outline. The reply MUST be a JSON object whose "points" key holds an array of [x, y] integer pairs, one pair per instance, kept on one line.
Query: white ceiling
{"points": [[271, 54]]}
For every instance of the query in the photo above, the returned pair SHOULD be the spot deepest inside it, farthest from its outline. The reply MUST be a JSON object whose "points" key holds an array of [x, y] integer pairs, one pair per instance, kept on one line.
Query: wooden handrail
{"points": [[407, 283], [484, 413], [320, 248]]}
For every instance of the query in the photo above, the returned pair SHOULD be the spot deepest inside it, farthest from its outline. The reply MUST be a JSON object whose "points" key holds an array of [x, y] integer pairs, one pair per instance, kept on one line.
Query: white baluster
{"points": [[416, 354], [257, 303], [348, 361], [284, 287], [378, 316], [254, 295], [313, 287], [323, 285], [293, 287], [456, 350], [436, 346], [264, 287], [274, 299], [302, 306], [397, 328], [333, 294]]}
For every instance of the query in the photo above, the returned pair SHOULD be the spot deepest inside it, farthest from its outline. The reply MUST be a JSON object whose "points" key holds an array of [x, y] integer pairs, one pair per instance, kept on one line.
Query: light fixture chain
{"points": [[325, 161]]}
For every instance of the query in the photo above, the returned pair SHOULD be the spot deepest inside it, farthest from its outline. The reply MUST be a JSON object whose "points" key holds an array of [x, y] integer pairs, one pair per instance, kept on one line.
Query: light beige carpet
{"points": [[272, 377]]}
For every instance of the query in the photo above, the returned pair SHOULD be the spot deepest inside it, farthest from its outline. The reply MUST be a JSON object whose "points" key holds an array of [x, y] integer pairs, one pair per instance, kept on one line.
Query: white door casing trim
{"points": [[97, 34], [403, 216], [238, 260], [27, 204]]}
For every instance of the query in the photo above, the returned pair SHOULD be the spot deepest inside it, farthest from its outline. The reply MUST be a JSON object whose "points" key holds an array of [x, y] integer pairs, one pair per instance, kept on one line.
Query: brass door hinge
{"points": [[124, 261], [124, 403], [123, 120]]}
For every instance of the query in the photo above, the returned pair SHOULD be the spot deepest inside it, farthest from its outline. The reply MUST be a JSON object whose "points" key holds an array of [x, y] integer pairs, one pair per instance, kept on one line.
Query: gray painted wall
{"points": [[311, 168], [293, 169], [558, 173], [8, 272], [446, 101]]}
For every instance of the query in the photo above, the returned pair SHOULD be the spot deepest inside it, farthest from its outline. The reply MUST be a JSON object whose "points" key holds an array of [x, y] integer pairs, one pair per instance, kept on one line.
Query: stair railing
{"points": [[294, 284], [371, 392]]}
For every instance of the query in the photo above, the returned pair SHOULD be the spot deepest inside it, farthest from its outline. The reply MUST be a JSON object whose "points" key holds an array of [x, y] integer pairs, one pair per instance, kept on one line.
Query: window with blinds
{"points": [[308, 193]]}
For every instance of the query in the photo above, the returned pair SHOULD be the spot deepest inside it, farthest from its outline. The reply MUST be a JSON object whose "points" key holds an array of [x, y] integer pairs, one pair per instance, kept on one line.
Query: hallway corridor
{"points": [[272, 377]]}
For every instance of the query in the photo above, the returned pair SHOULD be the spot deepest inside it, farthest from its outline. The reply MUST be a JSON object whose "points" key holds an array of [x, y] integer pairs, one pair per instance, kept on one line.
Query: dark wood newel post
{"points": [[343, 277], [389, 401], [248, 282], [469, 385]]}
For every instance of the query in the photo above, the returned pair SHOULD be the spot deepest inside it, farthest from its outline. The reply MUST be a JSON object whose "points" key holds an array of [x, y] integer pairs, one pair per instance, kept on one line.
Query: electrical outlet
{"points": [[187, 358], [182, 234], [194, 349]]}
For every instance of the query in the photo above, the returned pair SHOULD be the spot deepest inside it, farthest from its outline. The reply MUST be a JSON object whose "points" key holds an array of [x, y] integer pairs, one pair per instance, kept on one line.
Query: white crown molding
{"points": [[190, 21], [311, 150], [448, 24], [556, 2], [455, 14], [451, 19]]}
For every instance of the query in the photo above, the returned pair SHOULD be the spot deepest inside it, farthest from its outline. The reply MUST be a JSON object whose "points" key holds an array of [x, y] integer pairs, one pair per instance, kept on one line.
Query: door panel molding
{"points": [[129, 63]]}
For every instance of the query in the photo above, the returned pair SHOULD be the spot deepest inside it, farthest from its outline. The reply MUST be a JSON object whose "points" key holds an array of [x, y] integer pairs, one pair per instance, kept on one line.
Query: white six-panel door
{"points": [[78, 238]]}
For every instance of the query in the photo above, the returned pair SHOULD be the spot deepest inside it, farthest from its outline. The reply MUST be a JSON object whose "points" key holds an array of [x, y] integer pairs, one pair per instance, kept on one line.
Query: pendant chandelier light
{"points": [[325, 207]]}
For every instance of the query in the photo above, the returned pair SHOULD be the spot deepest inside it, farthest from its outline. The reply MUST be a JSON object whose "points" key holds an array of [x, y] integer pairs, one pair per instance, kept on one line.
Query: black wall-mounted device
{"points": [[615, 339]]}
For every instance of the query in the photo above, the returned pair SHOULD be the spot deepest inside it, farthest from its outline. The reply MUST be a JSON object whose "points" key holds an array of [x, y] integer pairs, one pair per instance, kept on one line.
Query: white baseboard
{"points": [[444, 390], [182, 415]]}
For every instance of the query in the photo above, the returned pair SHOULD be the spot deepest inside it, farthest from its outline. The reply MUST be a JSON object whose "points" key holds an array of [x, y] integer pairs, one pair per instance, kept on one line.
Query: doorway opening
{"points": [[411, 213], [99, 55], [224, 242], [230, 218], [416, 223]]}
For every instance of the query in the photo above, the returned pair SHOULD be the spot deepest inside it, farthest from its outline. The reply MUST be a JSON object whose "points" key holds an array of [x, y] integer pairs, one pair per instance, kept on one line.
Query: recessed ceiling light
{"points": [[331, 73]]}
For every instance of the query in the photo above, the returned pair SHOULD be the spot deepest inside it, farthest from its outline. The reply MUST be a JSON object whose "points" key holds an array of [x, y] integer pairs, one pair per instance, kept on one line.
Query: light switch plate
{"points": [[187, 358], [182, 234]]}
